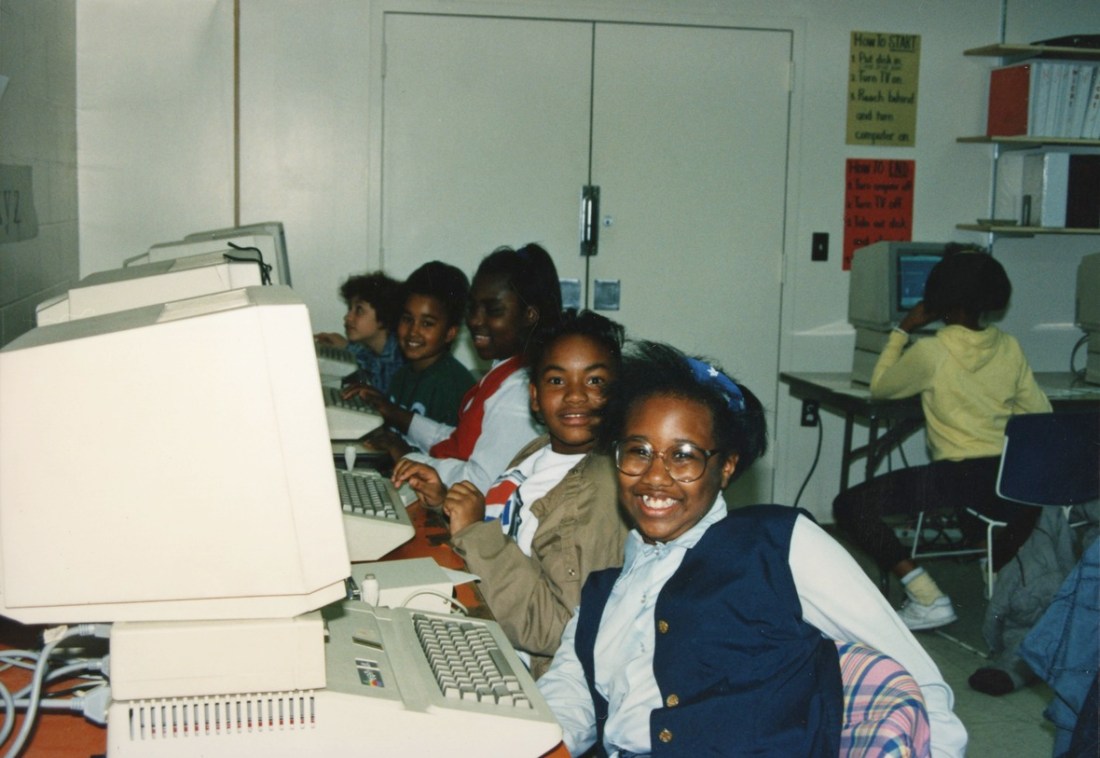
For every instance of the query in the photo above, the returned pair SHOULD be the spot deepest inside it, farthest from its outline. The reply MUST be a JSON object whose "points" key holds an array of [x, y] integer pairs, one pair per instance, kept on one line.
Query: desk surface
{"points": [[837, 388], [63, 735]]}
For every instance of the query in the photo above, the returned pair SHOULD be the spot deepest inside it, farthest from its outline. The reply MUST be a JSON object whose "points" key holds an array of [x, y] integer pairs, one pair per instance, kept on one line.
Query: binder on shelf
{"points": [[1045, 179], [1044, 82], [1077, 99], [1083, 191], [1011, 100], [1091, 128], [1045, 99]]}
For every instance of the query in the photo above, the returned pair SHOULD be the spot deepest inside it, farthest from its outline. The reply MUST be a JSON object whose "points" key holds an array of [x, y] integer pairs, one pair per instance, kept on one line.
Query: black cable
{"points": [[813, 466], [265, 268], [1077, 373]]}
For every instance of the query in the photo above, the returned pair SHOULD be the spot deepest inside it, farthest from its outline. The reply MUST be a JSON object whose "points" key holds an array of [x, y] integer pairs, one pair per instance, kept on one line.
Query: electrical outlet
{"points": [[809, 413]]}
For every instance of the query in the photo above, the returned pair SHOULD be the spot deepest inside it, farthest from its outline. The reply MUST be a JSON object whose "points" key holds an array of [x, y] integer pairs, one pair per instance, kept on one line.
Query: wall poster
{"points": [[883, 70], [878, 203]]}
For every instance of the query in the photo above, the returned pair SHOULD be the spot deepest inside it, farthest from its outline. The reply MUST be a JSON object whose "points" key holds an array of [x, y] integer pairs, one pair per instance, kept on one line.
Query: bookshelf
{"points": [[1009, 54]]}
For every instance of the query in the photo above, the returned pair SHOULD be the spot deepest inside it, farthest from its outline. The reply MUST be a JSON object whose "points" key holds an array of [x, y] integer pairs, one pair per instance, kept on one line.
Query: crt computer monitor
{"points": [[148, 284], [170, 462], [887, 280], [1087, 308], [267, 237]]}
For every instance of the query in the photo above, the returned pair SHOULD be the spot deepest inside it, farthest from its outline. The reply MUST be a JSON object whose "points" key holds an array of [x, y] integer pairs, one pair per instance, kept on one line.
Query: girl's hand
{"points": [[387, 440], [423, 479], [330, 338], [364, 392], [917, 317], [464, 505]]}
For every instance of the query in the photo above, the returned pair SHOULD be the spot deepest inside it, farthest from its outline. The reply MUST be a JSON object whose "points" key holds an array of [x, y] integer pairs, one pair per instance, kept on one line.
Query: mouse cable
{"points": [[458, 606]]}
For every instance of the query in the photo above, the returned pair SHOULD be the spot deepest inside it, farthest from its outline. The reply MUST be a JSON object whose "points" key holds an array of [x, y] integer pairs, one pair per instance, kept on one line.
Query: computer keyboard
{"points": [[382, 696], [334, 361], [468, 662], [457, 670], [348, 419], [375, 518]]}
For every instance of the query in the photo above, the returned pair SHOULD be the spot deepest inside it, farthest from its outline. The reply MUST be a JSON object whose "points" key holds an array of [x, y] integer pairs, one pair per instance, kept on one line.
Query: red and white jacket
{"points": [[494, 422]]}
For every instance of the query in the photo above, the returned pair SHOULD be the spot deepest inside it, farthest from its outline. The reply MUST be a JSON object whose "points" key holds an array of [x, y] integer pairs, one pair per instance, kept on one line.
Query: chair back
{"points": [[1051, 459], [884, 713]]}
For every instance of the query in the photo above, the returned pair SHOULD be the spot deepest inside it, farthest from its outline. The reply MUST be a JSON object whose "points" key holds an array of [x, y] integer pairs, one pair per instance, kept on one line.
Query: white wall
{"points": [[155, 93], [155, 119], [38, 130]]}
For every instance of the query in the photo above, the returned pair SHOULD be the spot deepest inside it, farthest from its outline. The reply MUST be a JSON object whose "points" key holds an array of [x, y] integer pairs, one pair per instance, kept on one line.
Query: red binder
{"points": [[1009, 99]]}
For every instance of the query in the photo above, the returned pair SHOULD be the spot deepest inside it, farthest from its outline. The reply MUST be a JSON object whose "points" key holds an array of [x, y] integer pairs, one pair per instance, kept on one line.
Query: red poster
{"points": [[878, 203]]}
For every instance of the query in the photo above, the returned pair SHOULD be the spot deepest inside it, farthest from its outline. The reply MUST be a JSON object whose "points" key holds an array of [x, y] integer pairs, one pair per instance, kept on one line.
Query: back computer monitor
{"points": [[148, 284], [1087, 310], [887, 280], [168, 463], [266, 240]]}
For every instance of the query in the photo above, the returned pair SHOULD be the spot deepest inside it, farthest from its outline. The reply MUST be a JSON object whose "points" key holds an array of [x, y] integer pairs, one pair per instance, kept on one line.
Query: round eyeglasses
{"points": [[684, 461]]}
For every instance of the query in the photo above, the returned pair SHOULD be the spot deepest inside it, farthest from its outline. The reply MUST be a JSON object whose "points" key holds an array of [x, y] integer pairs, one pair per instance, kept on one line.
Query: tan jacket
{"points": [[580, 530]]}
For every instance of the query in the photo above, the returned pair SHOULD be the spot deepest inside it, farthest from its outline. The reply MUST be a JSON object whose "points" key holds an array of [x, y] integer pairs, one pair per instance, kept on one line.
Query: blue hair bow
{"points": [[709, 375]]}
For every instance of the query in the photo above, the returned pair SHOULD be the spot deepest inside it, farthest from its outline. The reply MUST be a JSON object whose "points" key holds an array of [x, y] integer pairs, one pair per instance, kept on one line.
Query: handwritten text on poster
{"points": [[878, 203], [883, 71]]}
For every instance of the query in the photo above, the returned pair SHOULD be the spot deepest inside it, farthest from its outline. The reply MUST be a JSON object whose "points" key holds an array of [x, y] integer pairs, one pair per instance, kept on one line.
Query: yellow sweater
{"points": [[969, 381]]}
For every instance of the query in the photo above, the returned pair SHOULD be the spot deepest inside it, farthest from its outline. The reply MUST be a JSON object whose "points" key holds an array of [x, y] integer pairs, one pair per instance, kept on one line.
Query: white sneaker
{"points": [[917, 616]]}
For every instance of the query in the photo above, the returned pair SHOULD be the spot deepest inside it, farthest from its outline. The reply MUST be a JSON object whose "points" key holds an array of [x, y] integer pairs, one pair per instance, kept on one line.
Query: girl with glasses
{"points": [[717, 635]]}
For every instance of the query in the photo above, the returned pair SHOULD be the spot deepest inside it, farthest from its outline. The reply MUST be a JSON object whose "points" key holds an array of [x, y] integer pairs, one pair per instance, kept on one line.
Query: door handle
{"points": [[590, 215]]}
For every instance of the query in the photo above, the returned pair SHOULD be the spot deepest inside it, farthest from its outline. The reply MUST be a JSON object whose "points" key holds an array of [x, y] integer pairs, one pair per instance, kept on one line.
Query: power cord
{"points": [[813, 466], [265, 268], [1073, 370], [52, 637]]}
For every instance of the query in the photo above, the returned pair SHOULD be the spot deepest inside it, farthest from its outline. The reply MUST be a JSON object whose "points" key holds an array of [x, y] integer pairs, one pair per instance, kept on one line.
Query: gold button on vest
{"points": [[664, 735], [672, 700], [662, 626]]}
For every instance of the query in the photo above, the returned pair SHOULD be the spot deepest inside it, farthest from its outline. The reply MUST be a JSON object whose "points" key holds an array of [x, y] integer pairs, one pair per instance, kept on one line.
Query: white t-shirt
{"points": [[511, 494]]}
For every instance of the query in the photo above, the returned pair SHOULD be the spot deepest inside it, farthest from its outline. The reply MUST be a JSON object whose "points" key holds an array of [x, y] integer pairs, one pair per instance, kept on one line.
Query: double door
{"points": [[492, 126]]}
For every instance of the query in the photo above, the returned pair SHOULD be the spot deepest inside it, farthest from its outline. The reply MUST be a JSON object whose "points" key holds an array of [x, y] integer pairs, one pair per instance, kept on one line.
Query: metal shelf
{"points": [[1011, 230]]}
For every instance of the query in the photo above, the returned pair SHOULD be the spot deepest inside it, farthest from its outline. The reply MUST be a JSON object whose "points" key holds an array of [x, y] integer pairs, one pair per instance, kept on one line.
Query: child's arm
{"points": [[330, 338], [465, 505], [507, 425], [902, 373], [394, 415], [839, 599], [423, 480], [426, 433]]}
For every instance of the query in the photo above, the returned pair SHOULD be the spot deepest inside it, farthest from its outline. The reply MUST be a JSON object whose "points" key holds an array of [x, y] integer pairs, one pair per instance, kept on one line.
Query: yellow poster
{"points": [[883, 70]]}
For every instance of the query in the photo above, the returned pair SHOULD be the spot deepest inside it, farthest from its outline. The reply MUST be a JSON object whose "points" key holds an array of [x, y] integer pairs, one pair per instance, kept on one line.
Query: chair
{"points": [[1051, 459], [953, 546], [884, 713], [1048, 459]]}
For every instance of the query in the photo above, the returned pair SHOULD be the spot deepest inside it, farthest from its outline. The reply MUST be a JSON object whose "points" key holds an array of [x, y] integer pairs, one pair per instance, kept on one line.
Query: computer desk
{"points": [[890, 422], [64, 735]]}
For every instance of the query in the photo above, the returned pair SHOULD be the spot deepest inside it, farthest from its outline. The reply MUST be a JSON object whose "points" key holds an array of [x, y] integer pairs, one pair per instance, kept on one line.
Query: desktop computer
{"points": [[397, 682], [1087, 312], [149, 284], [887, 280], [182, 494], [265, 242]]}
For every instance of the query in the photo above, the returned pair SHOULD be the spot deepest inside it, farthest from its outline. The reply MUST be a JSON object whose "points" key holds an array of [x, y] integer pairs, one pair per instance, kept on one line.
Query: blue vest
{"points": [[739, 671]]}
